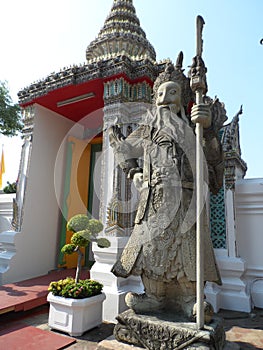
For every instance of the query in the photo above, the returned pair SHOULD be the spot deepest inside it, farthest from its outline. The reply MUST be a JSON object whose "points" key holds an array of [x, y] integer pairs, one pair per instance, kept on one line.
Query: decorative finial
{"points": [[179, 61]]}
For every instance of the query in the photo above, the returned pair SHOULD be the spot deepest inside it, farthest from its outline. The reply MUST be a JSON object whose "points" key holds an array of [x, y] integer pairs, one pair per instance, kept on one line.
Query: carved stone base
{"points": [[163, 332]]}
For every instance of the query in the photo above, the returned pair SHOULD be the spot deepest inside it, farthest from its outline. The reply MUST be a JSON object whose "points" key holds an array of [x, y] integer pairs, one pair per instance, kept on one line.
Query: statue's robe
{"points": [[163, 242]]}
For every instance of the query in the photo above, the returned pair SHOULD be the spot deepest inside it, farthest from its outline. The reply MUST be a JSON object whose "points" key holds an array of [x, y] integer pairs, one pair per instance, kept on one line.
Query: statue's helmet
{"points": [[175, 73]]}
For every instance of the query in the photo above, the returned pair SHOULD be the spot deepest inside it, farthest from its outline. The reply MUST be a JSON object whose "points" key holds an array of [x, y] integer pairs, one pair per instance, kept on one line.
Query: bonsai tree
{"points": [[84, 230]]}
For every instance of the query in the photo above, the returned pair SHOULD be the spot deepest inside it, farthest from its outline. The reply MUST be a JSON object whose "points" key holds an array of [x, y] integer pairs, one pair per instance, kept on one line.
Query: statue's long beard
{"points": [[168, 119]]}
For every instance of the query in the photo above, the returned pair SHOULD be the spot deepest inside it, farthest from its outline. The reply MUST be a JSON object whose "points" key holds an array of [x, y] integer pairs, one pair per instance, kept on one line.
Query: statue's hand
{"points": [[201, 113], [115, 135], [138, 181]]}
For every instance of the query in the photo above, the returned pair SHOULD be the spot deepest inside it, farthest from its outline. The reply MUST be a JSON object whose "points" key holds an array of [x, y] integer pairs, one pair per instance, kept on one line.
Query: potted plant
{"points": [[76, 305], [10, 187]]}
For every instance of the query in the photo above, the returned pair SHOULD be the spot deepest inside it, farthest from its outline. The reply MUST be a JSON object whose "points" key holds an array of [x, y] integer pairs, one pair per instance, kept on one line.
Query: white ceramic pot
{"points": [[75, 316]]}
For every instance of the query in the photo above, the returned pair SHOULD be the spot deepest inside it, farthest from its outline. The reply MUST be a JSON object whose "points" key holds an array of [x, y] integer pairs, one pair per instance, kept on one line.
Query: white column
{"points": [[115, 288], [230, 223], [107, 171]]}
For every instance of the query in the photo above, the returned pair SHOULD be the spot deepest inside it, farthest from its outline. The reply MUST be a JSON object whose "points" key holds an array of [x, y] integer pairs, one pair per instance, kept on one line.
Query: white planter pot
{"points": [[75, 316]]}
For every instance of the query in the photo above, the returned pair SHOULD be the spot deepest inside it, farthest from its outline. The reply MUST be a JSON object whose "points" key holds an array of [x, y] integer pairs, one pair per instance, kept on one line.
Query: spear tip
{"points": [[200, 19], [199, 29]]}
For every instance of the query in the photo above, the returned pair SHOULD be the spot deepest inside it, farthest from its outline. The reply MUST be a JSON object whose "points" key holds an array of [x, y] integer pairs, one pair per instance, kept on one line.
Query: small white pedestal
{"points": [[115, 288], [233, 294]]}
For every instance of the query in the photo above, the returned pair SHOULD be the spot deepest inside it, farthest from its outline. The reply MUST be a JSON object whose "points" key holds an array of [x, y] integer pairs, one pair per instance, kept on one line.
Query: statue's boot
{"points": [[186, 296], [188, 301], [208, 312], [152, 300], [143, 302]]}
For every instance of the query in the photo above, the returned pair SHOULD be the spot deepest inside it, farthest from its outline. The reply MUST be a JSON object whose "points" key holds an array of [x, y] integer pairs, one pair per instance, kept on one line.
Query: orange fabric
{"points": [[2, 168]]}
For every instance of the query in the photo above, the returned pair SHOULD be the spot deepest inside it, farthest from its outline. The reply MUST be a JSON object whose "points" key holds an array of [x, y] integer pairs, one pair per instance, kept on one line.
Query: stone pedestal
{"points": [[115, 288], [167, 331], [112, 344]]}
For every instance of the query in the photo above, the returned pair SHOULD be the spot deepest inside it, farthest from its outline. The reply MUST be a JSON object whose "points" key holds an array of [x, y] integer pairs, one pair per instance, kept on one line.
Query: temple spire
{"points": [[121, 35]]}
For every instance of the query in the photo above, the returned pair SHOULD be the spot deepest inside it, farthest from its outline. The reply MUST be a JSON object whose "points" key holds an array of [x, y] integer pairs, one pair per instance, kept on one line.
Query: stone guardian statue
{"points": [[162, 246]]}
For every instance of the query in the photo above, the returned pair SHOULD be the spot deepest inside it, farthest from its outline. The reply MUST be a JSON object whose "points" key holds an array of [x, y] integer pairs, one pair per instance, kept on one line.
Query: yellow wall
{"points": [[77, 200]]}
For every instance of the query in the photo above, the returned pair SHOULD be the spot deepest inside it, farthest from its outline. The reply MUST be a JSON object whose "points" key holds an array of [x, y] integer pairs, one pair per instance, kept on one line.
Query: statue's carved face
{"points": [[169, 93]]}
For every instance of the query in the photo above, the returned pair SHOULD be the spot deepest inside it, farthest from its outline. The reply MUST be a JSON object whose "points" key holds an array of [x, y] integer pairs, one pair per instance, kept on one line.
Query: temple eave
{"points": [[89, 72]]}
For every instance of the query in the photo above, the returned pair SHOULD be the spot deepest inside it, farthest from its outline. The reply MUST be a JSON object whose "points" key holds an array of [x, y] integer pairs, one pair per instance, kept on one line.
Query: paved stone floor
{"points": [[243, 329]]}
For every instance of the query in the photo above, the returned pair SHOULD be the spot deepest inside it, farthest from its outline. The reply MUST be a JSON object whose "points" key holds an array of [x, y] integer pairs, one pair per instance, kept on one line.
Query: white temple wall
{"points": [[36, 244], [249, 238], [6, 211], [241, 264]]}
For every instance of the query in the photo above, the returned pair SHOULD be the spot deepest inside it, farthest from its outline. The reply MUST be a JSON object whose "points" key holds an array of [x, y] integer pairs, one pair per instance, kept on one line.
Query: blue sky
{"points": [[42, 37]]}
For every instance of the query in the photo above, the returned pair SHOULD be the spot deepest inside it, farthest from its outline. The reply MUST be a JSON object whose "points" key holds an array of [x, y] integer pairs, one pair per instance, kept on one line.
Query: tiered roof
{"points": [[121, 35]]}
